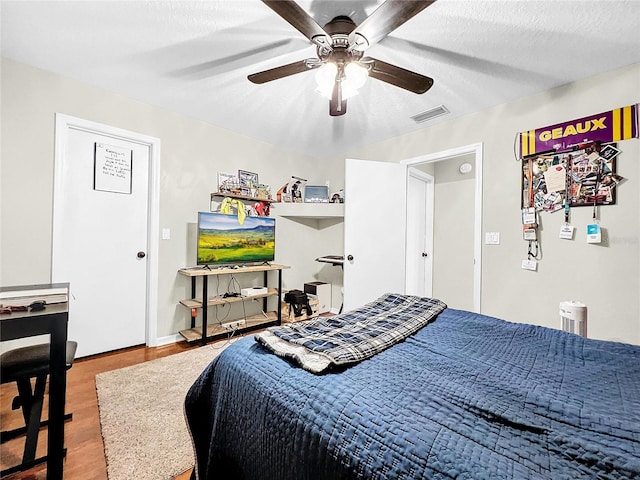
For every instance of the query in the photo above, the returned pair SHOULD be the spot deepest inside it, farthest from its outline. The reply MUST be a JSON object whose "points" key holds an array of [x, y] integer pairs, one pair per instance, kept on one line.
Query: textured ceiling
{"points": [[194, 58]]}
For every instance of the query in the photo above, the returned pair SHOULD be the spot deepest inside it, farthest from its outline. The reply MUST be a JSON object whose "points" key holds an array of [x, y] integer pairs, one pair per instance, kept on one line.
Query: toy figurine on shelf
{"points": [[263, 192], [292, 191], [337, 197]]}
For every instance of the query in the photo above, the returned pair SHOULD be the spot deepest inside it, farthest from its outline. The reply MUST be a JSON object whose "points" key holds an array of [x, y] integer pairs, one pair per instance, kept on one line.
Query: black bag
{"points": [[298, 301]]}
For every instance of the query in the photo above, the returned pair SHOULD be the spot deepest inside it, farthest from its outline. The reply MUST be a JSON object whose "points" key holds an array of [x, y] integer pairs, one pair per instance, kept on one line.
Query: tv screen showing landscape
{"points": [[222, 240]]}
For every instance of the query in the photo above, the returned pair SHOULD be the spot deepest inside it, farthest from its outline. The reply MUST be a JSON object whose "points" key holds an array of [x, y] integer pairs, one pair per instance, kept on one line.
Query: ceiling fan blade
{"points": [[386, 18], [284, 71], [241, 59], [301, 21], [412, 81]]}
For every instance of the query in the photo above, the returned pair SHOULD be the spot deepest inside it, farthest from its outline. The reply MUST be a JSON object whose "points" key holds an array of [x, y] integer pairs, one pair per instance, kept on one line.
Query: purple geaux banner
{"points": [[612, 126]]}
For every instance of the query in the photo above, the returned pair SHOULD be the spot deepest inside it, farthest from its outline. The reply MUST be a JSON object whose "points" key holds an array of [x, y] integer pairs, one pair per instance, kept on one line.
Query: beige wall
{"points": [[192, 152], [453, 228], [606, 277]]}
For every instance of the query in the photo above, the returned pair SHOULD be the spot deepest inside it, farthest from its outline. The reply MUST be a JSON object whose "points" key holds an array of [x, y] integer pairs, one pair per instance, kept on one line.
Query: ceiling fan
{"points": [[340, 47]]}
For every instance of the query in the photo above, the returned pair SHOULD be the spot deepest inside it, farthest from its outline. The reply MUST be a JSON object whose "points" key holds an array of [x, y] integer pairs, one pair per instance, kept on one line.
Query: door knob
{"points": [[425, 254], [141, 255], [350, 258]]}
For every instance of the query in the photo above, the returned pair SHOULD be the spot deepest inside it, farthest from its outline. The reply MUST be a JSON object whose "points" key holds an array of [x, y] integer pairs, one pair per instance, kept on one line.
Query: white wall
{"points": [[192, 152], [606, 277]]}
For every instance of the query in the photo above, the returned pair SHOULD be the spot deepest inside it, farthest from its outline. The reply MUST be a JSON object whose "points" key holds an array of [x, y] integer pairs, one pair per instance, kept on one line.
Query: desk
{"points": [[332, 259], [53, 321]]}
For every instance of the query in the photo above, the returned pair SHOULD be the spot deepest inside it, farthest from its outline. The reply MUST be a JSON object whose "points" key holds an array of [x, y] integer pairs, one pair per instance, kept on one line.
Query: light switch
{"points": [[492, 238], [166, 234]]}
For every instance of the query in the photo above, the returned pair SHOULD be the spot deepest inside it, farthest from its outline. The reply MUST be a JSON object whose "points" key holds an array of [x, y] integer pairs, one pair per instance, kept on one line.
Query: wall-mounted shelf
{"points": [[216, 195], [318, 211], [217, 198]]}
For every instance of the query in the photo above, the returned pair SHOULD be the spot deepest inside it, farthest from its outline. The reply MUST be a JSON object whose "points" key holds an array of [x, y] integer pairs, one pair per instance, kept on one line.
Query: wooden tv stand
{"points": [[216, 330]]}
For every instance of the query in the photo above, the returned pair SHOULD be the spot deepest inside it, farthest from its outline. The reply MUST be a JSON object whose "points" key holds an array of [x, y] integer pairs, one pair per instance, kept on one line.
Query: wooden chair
{"points": [[20, 365]]}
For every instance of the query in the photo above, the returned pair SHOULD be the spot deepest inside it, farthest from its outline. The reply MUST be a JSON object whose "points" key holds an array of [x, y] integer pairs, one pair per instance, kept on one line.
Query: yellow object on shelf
{"points": [[226, 208]]}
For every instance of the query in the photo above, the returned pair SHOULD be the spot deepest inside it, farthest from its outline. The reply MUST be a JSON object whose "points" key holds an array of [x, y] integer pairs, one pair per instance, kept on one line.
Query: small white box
{"points": [[252, 291], [323, 292]]}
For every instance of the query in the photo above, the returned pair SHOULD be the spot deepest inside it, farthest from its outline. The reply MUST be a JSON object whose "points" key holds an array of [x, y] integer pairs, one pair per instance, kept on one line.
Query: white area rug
{"points": [[142, 415]]}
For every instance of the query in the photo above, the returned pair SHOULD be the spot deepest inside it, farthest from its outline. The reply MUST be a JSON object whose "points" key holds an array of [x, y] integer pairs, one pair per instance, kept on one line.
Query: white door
{"points": [[100, 234], [420, 201], [374, 226]]}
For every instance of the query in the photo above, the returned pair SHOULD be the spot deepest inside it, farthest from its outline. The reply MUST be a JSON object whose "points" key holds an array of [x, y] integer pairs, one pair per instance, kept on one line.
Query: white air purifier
{"points": [[573, 317]]}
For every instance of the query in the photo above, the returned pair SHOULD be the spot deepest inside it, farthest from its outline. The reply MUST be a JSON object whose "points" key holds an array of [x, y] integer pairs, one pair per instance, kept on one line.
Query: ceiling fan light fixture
{"points": [[326, 78], [355, 76]]}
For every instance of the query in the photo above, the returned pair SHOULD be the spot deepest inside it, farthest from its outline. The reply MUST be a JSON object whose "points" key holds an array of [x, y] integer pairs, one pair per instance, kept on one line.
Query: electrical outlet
{"points": [[233, 325]]}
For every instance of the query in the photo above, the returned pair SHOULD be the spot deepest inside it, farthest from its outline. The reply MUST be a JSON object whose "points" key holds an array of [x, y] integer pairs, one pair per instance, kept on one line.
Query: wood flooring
{"points": [[85, 451]]}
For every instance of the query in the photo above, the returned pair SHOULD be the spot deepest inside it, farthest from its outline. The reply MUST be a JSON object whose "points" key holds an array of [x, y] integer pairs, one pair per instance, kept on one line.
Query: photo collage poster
{"points": [[581, 177]]}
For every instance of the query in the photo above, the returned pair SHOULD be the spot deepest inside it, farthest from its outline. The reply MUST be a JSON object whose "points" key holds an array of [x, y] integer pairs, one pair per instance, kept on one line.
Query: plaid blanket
{"points": [[325, 342]]}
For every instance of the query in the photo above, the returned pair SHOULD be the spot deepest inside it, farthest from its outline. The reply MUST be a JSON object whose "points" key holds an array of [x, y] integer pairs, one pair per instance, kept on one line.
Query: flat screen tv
{"points": [[222, 240]]}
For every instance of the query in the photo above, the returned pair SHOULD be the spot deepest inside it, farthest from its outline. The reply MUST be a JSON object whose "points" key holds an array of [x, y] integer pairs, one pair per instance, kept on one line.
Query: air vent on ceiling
{"points": [[430, 114]]}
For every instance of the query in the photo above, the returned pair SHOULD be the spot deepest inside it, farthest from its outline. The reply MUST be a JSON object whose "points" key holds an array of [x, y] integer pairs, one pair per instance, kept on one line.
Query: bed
{"points": [[466, 396]]}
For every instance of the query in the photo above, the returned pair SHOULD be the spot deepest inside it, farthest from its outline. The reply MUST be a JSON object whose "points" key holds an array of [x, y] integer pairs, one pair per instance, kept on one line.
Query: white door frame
{"points": [[475, 149], [64, 123]]}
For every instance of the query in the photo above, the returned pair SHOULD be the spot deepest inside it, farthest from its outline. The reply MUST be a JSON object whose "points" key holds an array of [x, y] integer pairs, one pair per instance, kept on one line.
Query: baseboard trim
{"points": [[169, 339]]}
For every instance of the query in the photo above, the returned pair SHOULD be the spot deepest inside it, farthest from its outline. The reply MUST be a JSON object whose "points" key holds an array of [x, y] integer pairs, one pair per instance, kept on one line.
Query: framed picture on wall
{"points": [[247, 179], [226, 181]]}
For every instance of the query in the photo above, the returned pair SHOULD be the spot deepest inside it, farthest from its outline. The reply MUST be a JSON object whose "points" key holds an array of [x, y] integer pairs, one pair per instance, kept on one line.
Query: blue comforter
{"points": [[467, 397]]}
